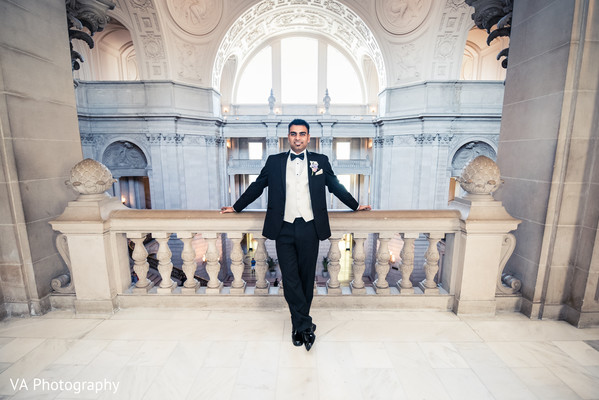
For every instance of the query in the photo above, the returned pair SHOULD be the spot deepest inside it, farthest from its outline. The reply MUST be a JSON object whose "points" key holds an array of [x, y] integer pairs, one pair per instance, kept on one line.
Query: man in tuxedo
{"points": [[297, 219]]}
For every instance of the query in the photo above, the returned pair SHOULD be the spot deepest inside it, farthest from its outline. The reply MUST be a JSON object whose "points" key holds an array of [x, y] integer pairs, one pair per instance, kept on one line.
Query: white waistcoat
{"points": [[297, 195]]}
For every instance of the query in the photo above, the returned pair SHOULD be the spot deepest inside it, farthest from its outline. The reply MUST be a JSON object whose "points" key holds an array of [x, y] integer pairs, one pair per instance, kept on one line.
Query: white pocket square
{"points": [[318, 172]]}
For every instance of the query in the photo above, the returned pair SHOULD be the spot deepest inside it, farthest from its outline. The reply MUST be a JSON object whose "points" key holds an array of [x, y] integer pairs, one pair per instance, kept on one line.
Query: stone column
{"points": [[272, 141]]}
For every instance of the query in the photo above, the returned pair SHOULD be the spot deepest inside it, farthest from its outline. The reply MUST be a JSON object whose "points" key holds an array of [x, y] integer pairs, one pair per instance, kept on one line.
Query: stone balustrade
{"points": [[475, 233]]}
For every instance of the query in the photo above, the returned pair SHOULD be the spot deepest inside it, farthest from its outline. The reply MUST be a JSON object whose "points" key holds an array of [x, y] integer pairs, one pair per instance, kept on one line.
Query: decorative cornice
{"points": [[169, 138]]}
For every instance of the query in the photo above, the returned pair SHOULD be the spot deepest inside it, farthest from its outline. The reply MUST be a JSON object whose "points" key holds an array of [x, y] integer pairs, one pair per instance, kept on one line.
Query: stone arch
{"points": [[468, 152], [123, 157], [266, 19]]}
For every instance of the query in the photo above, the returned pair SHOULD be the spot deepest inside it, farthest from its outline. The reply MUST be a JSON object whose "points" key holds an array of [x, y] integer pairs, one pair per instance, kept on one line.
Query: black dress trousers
{"points": [[297, 250]]}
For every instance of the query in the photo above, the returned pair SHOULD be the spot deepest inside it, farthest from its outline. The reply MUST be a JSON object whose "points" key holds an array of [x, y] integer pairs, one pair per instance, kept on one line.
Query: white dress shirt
{"points": [[297, 195]]}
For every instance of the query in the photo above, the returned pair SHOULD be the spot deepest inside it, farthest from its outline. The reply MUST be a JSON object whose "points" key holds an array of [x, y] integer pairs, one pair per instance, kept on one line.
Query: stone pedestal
{"points": [[486, 222], [95, 254]]}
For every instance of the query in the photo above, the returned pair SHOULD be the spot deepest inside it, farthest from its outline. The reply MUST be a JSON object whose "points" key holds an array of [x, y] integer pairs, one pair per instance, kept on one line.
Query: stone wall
{"points": [[547, 155], [39, 144]]}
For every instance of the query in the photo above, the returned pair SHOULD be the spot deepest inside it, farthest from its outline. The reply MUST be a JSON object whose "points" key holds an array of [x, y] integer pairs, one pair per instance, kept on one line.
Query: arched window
{"points": [[299, 69], [256, 79]]}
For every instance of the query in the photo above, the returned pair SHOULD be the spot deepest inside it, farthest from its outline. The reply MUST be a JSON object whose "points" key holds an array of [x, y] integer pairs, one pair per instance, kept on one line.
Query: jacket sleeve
{"points": [[254, 190], [336, 187]]}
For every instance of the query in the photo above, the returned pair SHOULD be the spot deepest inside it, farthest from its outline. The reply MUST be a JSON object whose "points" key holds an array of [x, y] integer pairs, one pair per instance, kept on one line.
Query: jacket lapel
{"points": [[284, 158], [310, 180]]}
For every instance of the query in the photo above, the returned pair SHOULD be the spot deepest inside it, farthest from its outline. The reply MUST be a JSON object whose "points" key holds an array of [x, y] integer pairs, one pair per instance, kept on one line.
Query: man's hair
{"points": [[300, 122]]}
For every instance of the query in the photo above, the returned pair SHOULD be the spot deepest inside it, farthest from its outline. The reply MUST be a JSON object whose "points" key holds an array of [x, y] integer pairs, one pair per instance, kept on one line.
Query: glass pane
{"points": [[255, 150], [342, 81], [345, 181], [299, 70], [343, 150], [256, 81]]}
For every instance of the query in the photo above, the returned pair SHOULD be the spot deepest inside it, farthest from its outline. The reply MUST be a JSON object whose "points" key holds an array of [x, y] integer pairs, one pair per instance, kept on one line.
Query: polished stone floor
{"points": [[237, 354]]}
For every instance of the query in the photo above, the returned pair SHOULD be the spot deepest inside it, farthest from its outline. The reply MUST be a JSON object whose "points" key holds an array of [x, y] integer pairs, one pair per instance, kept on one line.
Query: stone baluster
{"points": [[262, 285], [212, 265], [237, 267], [431, 264], [381, 285], [140, 266], [188, 255], [333, 286], [280, 292], [165, 266], [357, 285], [407, 263]]}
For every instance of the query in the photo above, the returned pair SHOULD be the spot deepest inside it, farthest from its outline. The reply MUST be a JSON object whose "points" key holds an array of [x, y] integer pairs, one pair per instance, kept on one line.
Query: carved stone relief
{"points": [[153, 46], [152, 60], [143, 5], [124, 154], [188, 57], [402, 16], [408, 59], [454, 23], [197, 17]]}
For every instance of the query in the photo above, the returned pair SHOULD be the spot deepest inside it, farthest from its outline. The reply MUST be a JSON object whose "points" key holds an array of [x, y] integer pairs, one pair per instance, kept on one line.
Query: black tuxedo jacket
{"points": [[274, 174]]}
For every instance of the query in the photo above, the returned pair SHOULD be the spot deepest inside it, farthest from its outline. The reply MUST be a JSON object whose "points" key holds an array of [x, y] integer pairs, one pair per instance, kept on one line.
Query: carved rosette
{"points": [[402, 16]]}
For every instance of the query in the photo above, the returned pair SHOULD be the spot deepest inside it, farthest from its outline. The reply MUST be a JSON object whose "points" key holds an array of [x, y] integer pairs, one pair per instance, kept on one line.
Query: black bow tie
{"points": [[294, 156]]}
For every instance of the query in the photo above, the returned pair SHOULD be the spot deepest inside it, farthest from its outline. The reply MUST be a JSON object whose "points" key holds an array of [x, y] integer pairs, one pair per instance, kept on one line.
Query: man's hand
{"points": [[364, 208], [224, 210]]}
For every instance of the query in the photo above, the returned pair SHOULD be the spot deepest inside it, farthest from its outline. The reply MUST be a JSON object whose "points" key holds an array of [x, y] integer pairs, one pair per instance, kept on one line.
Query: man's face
{"points": [[298, 137]]}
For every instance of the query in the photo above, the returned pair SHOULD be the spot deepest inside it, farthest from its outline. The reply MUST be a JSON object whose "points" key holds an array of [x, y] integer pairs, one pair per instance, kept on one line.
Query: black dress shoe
{"points": [[297, 338], [308, 337]]}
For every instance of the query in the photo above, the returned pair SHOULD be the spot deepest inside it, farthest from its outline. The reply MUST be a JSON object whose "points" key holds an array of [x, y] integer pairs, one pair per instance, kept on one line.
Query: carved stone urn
{"points": [[90, 177]]}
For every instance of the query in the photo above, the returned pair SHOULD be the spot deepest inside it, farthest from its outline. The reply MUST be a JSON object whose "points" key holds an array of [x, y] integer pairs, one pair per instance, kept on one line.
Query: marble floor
{"points": [[237, 354]]}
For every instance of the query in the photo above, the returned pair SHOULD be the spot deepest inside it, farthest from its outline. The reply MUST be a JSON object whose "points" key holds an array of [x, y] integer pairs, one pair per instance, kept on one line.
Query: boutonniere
{"points": [[314, 166]]}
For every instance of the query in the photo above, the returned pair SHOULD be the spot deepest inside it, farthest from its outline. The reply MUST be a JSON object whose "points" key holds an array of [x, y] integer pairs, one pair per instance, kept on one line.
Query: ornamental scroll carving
{"points": [[91, 14], [402, 16], [494, 13], [197, 17]]}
